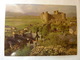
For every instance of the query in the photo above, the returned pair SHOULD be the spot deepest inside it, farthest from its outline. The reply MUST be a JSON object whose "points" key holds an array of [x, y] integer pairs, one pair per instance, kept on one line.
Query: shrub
{"points": [[23, 52], [53, 39], [71, 51], [52, 51], [8, 52]]}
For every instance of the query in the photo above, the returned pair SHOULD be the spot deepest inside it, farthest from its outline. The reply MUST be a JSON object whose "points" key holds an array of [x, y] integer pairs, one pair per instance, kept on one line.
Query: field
{"points": [[22, 22]]}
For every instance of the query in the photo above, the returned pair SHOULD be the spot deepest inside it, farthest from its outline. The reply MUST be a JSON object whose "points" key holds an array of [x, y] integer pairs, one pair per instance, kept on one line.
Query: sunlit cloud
{"points": [[14, 8], [34, 8]]}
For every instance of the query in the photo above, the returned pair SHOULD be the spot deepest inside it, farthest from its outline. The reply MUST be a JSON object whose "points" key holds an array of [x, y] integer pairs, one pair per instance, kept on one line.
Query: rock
{"points": [[13, 54]]}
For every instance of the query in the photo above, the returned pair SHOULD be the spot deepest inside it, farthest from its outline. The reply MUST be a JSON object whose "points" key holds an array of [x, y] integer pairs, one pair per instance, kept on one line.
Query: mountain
{"points": [[17, 14], [13, 14]]}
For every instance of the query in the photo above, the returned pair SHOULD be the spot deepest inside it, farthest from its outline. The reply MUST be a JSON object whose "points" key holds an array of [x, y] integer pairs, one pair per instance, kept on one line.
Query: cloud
{"points": [[28, 8], [14, 8]]}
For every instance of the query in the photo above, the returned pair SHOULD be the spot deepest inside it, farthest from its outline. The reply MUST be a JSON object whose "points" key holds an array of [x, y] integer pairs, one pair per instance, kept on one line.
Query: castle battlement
{"points": [[46, 17]]}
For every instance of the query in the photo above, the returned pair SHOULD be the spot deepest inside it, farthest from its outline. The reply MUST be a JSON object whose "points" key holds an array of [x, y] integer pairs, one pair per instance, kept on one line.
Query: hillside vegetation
{"points": [[52, 38]]}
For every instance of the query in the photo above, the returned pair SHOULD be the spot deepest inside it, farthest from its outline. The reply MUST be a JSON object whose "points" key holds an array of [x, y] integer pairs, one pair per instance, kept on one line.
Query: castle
{"points": [[55, 17]]}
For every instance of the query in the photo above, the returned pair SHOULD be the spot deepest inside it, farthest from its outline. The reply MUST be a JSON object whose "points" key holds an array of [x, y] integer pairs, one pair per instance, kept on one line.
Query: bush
{"points": [[53, 39], [52, 51], [8, 52], [23, 52], [71, 51]]}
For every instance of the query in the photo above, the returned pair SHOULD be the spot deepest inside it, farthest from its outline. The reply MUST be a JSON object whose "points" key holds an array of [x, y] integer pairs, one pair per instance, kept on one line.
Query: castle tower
{"points": [[41, 16], [63, 16], [56, 12], [45, 17]]}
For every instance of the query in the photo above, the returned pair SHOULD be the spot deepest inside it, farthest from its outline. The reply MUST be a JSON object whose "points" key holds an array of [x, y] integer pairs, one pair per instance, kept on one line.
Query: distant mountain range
{"points": [[13, 14], [16, 14]]}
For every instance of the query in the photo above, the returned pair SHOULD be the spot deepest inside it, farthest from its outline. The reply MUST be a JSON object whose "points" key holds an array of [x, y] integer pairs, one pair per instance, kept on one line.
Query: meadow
{"points": [[22, 21]]}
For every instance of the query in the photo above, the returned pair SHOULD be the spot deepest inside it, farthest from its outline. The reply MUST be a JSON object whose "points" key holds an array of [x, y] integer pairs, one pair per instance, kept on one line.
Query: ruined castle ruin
{"points": [[55, 17]]}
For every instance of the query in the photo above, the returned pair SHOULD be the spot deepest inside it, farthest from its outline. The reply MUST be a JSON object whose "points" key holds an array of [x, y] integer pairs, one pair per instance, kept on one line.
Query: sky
{"points": [[36, 8]]}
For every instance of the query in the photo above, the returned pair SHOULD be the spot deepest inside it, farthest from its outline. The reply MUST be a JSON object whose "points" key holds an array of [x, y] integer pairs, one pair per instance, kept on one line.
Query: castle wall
{"points": [[59, 16], [46, 17]]}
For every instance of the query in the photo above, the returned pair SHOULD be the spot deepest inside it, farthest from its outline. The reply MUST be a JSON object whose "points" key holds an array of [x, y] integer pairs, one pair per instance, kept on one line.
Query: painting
{"points": [[40, 30]]}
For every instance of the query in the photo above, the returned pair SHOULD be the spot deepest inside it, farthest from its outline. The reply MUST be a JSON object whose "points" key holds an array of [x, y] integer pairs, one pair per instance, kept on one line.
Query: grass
{"points": [[21, 23], [23, 52], [50, 39]]}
